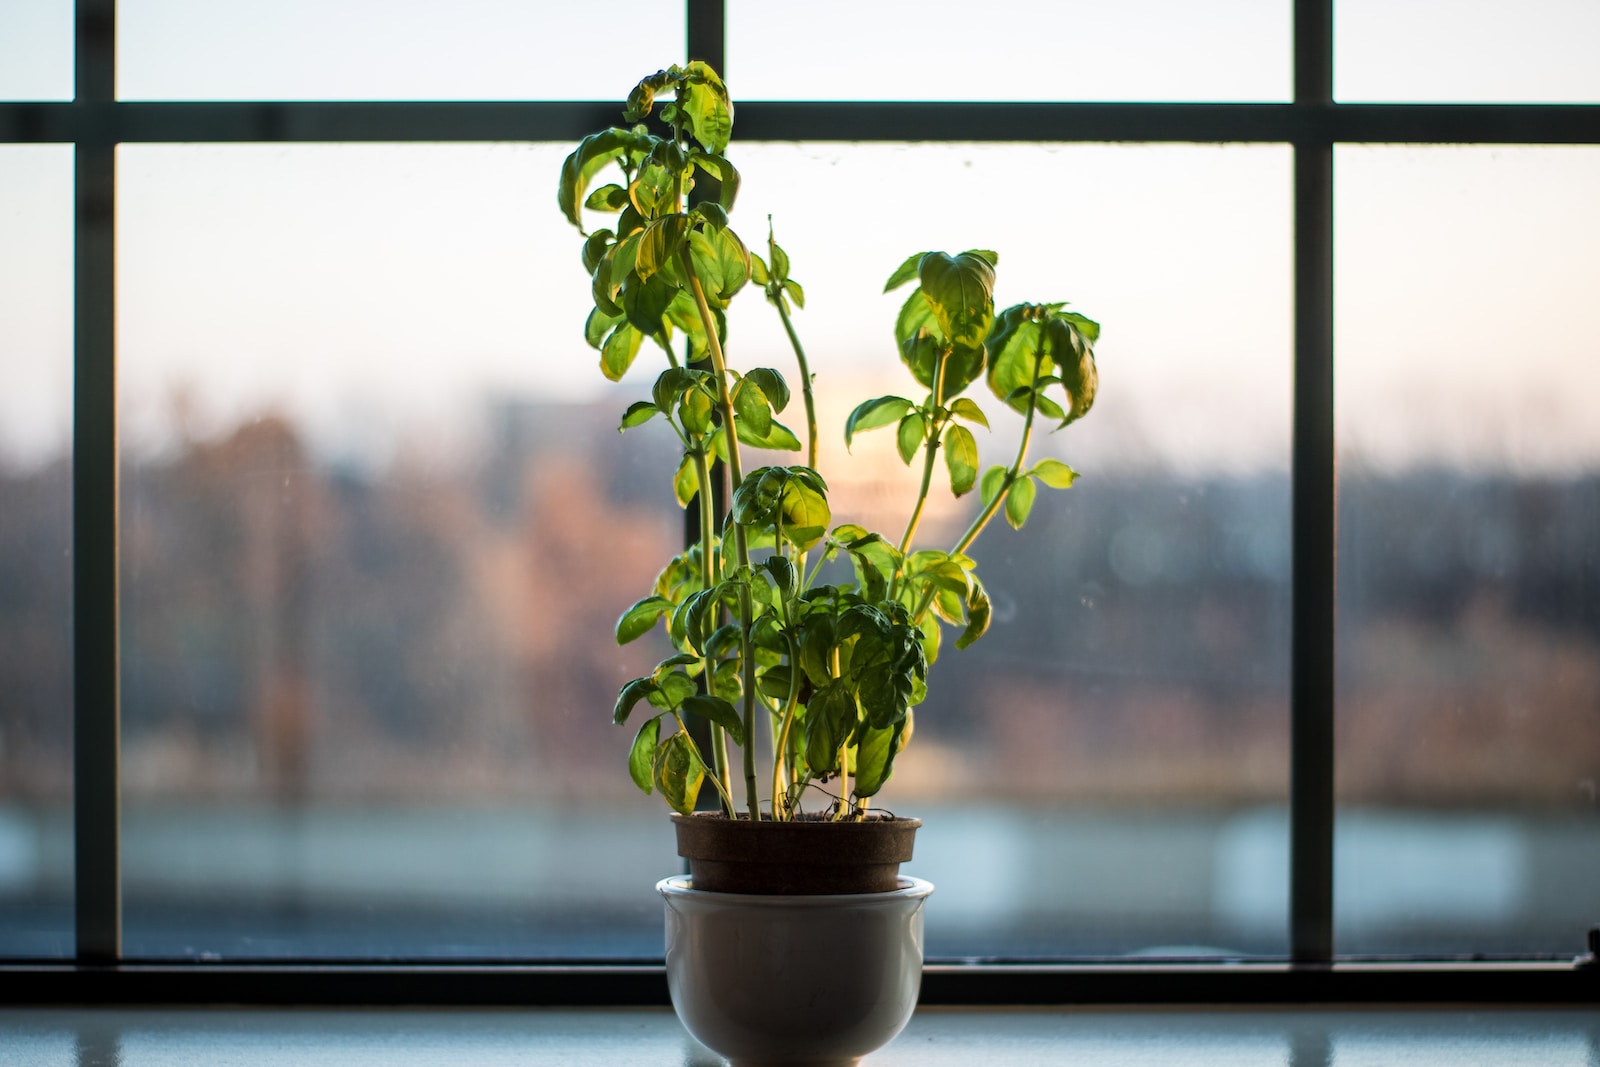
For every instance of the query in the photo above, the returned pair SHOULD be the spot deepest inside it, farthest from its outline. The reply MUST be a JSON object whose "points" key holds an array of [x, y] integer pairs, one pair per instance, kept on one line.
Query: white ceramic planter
{"points": [[781, 980]]}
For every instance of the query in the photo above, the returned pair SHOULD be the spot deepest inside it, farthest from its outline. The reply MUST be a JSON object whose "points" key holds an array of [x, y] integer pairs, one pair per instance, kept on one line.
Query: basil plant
{"points": [[822, 677]]}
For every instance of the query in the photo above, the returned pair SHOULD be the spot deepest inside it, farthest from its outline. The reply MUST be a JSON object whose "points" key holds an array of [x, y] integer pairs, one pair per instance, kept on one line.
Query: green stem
{"points": [[719, 736], [844, 749], [1012, 475], [741, 548], [781, 746], [930, 460], [805, 380]]}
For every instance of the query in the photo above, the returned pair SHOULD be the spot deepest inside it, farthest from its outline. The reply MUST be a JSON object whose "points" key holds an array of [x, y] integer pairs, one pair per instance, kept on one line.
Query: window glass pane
{"points": [[35, 551], [36, 50], [1469, 566], [1482, 51], [1010, 50], [379, 49], [356, 386], [1105, 771], [368, 663]]}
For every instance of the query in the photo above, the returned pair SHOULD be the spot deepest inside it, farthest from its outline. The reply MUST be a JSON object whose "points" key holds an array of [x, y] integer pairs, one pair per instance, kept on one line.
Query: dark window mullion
{"points": [[96, 678], [1311, 806]]}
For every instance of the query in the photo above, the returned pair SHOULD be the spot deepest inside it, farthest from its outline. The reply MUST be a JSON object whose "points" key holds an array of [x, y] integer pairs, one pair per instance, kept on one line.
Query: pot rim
{"points": [[679, 885], [875, 824]]}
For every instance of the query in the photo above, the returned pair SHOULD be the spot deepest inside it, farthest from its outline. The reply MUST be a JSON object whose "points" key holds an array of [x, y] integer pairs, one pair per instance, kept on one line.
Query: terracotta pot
{"points": [[783, 980], [800, 858]]}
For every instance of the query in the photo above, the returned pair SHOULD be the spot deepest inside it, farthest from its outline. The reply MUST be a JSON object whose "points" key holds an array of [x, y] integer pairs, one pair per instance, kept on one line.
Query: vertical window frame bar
{"points": [[706, 34], [1314, 508], [96, 670]]}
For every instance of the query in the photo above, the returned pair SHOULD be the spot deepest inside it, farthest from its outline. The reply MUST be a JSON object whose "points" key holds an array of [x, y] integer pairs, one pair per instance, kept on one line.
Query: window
{"points": [[336, 717]]}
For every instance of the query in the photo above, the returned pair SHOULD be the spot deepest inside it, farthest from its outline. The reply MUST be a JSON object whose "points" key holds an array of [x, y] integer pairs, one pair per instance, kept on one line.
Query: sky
{"points": [[372, 290]]}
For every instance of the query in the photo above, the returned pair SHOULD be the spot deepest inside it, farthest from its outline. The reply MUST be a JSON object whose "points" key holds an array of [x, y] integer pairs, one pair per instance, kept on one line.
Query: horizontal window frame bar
{"points": [[427, 122], [943, 984]]}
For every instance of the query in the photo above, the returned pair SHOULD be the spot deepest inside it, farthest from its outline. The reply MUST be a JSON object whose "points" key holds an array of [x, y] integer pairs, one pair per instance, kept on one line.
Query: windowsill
{"points": [[1195, 1037]]}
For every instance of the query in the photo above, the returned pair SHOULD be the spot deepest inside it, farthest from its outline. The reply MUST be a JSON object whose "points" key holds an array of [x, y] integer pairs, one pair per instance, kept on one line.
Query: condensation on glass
{"points": [[379, 49], [1469, 549], [36, 50], [36, 867], [1016, 50], [368, 654], [1486, 51]]}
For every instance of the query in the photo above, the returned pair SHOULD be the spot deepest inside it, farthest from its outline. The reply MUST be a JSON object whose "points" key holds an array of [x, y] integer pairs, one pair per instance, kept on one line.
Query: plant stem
{"points": [[781, 745], [930, 459], [1005, 489], [741, 548], [805, 381], [844, 747], [719, 736]]}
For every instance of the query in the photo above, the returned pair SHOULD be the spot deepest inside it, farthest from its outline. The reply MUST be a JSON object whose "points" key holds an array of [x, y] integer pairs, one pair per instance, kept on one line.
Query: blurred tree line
{"points": [[293, 628]]}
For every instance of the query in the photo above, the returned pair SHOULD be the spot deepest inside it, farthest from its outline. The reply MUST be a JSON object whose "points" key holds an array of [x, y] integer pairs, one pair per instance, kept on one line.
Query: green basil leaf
{"points": [[592, 153], [641, 618], [805, 514], [910, 436], [679, 772], [779, 438], [719, 711], [594, 249], [773, 683], [871, 414], [916, 315], [830, 719], [630, 695], [659, 243], [979, 611], [1050, 409], [642, 756], [672, 689], [961, 291], [1014, 352], [619, 351], [686, 482], [1019, 502], [750, 407], [597, 326], [611, 197], [601, 288], [966, 408], [994, 479], [711, 213], [1054, 473], [645, 301], [875, 753], [638, 413], [904, 272], [695, 411], [773, 385], [961, 458], [784, 575], [780, 258], [703, 100], [670, 385], [1085, 326], [722, 263]]}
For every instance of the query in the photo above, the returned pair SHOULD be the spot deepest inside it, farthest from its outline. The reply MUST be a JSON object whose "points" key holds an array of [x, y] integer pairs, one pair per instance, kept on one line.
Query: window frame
{"points": [[1312, 123]]}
